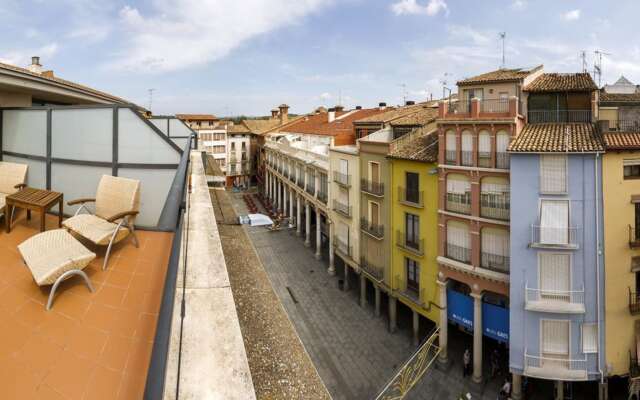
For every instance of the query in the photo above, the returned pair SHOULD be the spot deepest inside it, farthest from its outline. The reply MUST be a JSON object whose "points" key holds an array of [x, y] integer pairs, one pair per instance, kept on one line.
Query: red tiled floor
{"points": [[90, 345]]}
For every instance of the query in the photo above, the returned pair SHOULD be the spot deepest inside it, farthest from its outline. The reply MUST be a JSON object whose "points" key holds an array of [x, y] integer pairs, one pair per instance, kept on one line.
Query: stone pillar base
{"points": [[318, 256], [331, 270]]}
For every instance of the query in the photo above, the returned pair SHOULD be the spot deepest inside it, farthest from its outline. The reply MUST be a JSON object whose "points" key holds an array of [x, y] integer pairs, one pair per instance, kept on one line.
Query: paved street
{"points": [[351, 348]]}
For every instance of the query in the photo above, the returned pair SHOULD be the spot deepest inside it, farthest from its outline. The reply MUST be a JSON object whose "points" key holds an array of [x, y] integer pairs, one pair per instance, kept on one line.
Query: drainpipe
{"points": [[595, 168]]}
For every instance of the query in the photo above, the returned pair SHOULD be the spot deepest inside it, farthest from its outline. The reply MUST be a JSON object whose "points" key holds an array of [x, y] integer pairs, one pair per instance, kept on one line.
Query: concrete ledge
{"points": [[213, 361]]}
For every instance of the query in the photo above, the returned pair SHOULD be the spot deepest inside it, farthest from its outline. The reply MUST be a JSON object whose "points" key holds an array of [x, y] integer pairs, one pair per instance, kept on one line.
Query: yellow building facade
{"points": [[414, 227]]}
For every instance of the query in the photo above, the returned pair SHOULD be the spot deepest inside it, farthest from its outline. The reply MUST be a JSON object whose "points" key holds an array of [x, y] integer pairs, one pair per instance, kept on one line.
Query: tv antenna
{"points": [[404, 92], [503, 37], [150, 97], [597, 65], [583, 57], [444, 85]]}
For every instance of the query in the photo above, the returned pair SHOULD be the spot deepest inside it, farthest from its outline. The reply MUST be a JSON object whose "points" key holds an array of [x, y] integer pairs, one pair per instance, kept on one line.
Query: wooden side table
{"points": [[31, 199]]}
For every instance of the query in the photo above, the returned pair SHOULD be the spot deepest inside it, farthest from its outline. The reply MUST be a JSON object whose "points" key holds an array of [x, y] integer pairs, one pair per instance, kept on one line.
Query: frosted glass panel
{"points": [[139, 143], [36, 173], [178, 128], [25, 131], [76, 181], [82, 134], [154, 188], [160, 123]]}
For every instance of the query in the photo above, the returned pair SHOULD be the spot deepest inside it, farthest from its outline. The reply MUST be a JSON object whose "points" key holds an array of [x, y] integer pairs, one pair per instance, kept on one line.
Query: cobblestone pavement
{"points": [[351, 348]]}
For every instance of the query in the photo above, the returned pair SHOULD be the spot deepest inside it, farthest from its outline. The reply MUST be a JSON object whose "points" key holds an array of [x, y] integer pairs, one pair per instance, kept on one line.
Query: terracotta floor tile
{"points": [[132, 387], [134, 300], [47, 393], [104, 384], [115, 354], [31, 313], [70, 375], [39, 354], [13, 336], [146, 327], [119, 278], [87, 342], [125, 323], [71, 305], [12, 299], [110, 295], [139, 356], [16, 381], [57, 327], [100, 316]]}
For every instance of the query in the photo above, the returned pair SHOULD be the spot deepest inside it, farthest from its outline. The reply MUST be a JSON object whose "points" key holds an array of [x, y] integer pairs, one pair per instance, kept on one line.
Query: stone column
{"points": [[559, 390], [477, 337], [307, 226], [267, 180], [516, 387], [292, 221], [317, 182], [332, 269], [393, 308], [363, 290], [318, 234], [444, 322], [298, 216], [285, 192], [416, 328], [280, 196], [377, 296]]}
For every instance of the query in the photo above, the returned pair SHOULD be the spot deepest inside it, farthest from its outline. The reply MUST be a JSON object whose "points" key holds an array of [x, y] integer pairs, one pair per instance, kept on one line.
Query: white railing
{"points": [[545, 236], [559, 367], [555, 301]]}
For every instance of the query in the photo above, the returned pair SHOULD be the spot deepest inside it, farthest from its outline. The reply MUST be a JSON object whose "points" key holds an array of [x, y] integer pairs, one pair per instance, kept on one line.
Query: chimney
{"points": [[339, 108], [409, 103], [358, 107], [332, 115], [35, 65], [284, 114], [274, 113], [382, 106]]}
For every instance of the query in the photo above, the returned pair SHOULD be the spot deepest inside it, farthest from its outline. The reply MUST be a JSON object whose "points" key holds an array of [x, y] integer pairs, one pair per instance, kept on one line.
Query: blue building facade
{"points": [[557, 270]]}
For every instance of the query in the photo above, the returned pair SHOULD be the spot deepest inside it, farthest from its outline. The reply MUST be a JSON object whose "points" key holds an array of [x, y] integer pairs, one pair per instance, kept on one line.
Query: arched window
{"points": [[458, 241], [484, 149], [495, 198], [450, 149], [467, 148], [502, 143], [458, 194]]}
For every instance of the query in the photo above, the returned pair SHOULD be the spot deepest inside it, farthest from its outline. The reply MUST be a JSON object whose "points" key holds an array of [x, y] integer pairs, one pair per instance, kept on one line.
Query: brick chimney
{"points": [[382, 105], [274, 113], [331, 116], [339, 108], [284, 113], [35, 66]]}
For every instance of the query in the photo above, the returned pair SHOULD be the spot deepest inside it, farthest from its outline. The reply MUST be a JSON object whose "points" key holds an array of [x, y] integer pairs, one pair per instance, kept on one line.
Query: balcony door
{"points": [[554, 222], [374, 172], [412, 193], [555, 278], [555, 344], [374, 214], [412, 223]]}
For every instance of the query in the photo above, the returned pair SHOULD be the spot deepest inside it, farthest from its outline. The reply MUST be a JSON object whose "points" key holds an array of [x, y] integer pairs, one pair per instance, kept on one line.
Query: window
{"points": [[344, 167], [458, 241], [502, 143], [484, 149], [374, 214], [503, 95], [451, 151], [413, 274], [589, 338], [555, 337], [631, 169], [467, 148], [636, 235], [495, 199], [555, 278], [554, 222], [553, 173], [495, 249], [413, 187], [412, 223], [374, 172], [458, 194]]}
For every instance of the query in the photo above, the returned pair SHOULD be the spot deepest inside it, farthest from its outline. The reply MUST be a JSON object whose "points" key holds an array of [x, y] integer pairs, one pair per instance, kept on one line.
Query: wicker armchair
{"points": [[116, 205], [12, 179]]}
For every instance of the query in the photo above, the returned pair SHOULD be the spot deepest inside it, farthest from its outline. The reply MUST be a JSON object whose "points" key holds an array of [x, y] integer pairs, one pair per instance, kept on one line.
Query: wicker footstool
{"points": [[54, 256]]}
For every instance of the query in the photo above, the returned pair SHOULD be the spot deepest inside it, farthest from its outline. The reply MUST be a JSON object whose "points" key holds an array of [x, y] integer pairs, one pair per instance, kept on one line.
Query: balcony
{"points": [[412, 198], [459, 203], [495, 262], [342, 179], [634, 237], [311, 188], [450, 157], [494, 106], [555, 368], [342, 208], [496, 206], [554, 301], [502, 160], [458, 107], [377, 231], [551, 237], [300, 181], [555, 116], [372, 188], [322, 196], [413, 294], [482, 108], [415, 246], [459, 253], [628, 125], [372, 269], [467, 158], [341, 246], [634, 302], [484, 159]]}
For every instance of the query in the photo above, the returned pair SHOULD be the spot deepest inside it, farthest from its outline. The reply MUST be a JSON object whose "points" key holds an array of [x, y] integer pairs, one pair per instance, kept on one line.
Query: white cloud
{"points": [[185, 33], [519, 5], [325, 96], [467, 33], [22, 57], [412, 7], [572, 15]]}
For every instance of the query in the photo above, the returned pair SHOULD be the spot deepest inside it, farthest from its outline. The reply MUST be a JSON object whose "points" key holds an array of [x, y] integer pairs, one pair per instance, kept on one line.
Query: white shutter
{"points": [[467, 141], [494, 187], [343, 196], [554, 275], [495, 241], [458, 184], [458, 234], [555, 337], [589, 338], [553, 173], [502, 142], [451, 141], [554, 222], [484, 142], [343, 233], [344, 167]]}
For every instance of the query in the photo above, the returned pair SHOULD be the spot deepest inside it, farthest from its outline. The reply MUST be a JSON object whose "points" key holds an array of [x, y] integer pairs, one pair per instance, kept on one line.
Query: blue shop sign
{"points": [[495, 319], [460, 308]]}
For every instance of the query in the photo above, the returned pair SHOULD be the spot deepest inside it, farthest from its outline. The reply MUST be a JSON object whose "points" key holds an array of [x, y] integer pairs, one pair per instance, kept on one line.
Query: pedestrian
{"points": [[505, 392], [466, 363], [495, 363]]}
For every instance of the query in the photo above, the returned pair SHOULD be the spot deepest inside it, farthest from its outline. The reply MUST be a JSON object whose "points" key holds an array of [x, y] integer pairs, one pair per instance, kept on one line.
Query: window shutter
{"points": [[502, 142], [554, 273], [554, 222], [589, 338], [495, 241], [458, 234], [555, 337], [344, 167], [553, 173], [458, 184], [484, 142], [451, 141], [467, 141]]}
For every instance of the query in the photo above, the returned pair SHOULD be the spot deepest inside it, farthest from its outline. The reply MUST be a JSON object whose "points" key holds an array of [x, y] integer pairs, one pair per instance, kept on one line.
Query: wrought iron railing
{"points": [[342, 208], [413, 245], [634, 237], [342, 179], [410, 197], [322, 196], [484, 159], [375, 230], [375, 271], [495, 262], [545, 236], [554, 296], [450, 157], [459, 203], [502, 160], [634, 302], [372, 187], [467, 158], [550, 367], [459, 107], [624, 125], [494, 105], [495, 205], [458, 253], [554, 116]]}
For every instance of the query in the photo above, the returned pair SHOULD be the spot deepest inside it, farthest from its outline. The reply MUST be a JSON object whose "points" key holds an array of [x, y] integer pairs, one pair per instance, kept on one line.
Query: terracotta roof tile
{"points": [[556, 82], [619, 97], [499, 75], [421, 148], [196, 117], [422, 116], [558, 137], [622, 140], [318, 124]]}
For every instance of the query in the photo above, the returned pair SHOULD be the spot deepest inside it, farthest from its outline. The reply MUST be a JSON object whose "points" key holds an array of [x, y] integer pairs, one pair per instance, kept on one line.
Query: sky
{"points": [[243, 57]]}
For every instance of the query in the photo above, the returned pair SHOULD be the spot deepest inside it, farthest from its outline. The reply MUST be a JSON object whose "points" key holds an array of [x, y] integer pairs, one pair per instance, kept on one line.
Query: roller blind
{"points": [[589, 338], [502, 142], [458, 234], [451, 141], [553, 173], [458, 184], [555, 337], [495, 241], [344, 167], [500, 186], [484, 142], [554, 222], [467, 141], [554, 273]]}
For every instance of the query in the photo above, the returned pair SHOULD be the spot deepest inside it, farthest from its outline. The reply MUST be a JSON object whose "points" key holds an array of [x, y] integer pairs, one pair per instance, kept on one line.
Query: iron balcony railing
{"points": [[467, 158], [495, 262], [322, 196], [634, 237], [458, 253], [624, 125], [555, 367], [634, 367], [342, 246], [494, 105], [414, 294], [484, 159], [554, 116], [634, 302], [300, 181], [342, 208], [372, 187], [502, 160], [413, 245], [494, 205], [342, 179], [459, 107], [545, 236], [459, 203], [414, 198], [557, 297], [371, 268], [375, 230], [311, 188], [450, 157]]}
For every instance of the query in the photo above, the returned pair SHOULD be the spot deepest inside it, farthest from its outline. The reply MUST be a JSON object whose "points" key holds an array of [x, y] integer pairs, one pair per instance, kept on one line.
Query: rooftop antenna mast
{"points": [[583, 57], [503, 37], [404, 93], [151, 98], [597, 65], [444, 85]]}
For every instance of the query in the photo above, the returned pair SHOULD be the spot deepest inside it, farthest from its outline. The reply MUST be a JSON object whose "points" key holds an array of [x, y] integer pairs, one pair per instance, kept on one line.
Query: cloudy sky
{"points": [[232, 57]]}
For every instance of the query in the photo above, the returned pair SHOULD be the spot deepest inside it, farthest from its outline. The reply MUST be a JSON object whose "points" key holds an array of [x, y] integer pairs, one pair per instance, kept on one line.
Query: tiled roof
{"points": [[238, 128], [52, 78], [260, 125], [421, 117], [619, 97], [499, 75], [422, 148], [556, 82], [318, 124], [196, 117], [558, 137], [391, 113], [622, 140]]}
